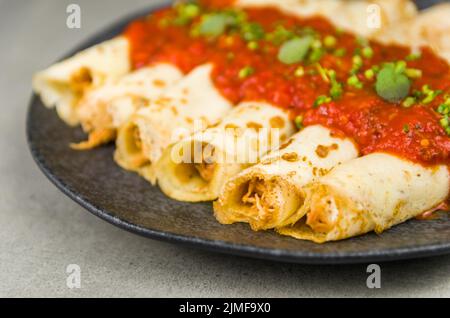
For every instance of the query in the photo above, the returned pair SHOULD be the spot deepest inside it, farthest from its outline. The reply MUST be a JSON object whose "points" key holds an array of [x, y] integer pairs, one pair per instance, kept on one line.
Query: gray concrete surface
{"points": [[42, 231]]}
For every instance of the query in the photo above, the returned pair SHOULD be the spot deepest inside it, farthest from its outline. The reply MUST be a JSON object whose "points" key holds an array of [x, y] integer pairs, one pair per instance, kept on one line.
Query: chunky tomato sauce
{"points": [[375, 124]]}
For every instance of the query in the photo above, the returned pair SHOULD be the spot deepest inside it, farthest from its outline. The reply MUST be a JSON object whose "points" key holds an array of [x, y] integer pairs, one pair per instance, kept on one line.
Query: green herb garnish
{"points": [[354, 82], [392, 84], [336, 87], [443, 109], [413, 73], [413, 56], [294, 50], [322, 99], [253, 45], [376, 69], [316, 55], [409, 101], [445, 123], [357, 63], [362, 41], [299, 122], [369, 74], [246, 72], [323, 72], [330, 41], [279, 35], [252, 32], [430, 94], [215, 24], [340, 52], [186, 12], [367, 52], [406, 128]]}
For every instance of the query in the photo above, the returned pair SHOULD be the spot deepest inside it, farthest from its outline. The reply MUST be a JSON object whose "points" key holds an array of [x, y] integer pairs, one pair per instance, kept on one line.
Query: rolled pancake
{"points": [[271, 193], [196, 168], [371, 193], [350, 15], [102, 110], [191, 105], [431, 27], [63, 84]]}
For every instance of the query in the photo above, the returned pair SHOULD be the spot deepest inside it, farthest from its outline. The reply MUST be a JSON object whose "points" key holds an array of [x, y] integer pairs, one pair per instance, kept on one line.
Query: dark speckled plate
{"points": [[94, 181]]}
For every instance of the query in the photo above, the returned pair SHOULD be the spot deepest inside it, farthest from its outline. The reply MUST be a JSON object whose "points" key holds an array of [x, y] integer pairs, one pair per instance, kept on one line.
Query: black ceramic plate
{"points": [[94, 181]]}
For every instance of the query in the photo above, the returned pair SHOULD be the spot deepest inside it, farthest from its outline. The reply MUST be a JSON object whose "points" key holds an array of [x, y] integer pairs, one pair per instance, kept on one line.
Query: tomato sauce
{"points": [[373, 123]]}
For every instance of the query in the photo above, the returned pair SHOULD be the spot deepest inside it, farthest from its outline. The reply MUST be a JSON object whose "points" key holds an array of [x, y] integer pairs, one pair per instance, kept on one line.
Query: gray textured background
{"points": [[42, 231]]}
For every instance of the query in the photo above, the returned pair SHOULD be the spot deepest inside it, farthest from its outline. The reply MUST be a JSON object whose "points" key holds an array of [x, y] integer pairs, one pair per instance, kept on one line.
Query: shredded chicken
{"points": [[96, 138], [138, 159], [206, 170], [257, 197], [320, 219], [81, 80], [137, 138], [207, 166]]}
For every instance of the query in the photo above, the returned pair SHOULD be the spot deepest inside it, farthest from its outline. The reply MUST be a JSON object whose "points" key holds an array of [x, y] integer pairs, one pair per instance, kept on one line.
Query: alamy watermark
{"points": [[73, 20], [373, 16], [73, 279], [374, 279]]}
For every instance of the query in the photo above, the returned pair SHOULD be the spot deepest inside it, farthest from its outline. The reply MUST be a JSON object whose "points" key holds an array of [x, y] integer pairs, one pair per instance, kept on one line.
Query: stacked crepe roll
{"points": [[196, 168], [97, 89], [365, 17], [64, 84], [271, 193], [370, 193], [431, 27], [104, 109], [293, 190], [191, 105]]}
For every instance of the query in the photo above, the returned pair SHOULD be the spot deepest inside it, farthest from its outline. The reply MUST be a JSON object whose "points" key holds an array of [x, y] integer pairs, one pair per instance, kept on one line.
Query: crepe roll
{"points": [[364, 17], [104, 109], [371, 193], [191, 105], [196, 168], [430, 28], [63, 84], [271, 193]]}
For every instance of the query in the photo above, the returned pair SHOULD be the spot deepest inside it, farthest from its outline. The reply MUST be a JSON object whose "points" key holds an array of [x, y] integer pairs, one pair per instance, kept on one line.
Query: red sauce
{"points": [[374, 124]]}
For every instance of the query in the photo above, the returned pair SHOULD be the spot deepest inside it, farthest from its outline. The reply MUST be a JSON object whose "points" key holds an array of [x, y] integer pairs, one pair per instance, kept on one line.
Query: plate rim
{"points": [[246, 250]]}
